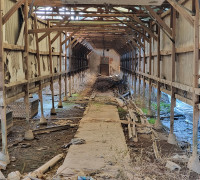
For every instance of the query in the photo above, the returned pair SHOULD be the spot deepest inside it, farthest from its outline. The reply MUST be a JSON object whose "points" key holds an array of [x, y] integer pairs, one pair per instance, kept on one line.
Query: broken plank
{"points": [[50, 129]]}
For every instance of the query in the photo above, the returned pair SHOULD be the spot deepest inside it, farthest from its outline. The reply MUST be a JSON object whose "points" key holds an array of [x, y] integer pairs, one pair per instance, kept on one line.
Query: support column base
{"points": [[60, 104], [4, 160], [53, 111], [43, 121], [193, 164], [65, 98], [29, 135], [172, 139], [158, 125]]}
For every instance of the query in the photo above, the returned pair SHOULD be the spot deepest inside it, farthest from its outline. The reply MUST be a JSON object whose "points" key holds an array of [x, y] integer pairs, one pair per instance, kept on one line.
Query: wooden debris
{"points": [[155, 146], [70, 118], [50, 129], [130, 134], [44, 168]]}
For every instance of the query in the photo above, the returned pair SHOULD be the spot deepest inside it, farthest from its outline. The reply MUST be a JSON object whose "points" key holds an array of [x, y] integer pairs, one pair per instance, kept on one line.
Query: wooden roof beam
{"points": [[159, 20], [7, 16], [182, 11]]}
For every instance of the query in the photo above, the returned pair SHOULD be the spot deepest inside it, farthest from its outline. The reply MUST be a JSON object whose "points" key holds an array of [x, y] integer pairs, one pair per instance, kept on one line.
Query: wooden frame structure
{"points": [[54, 39]]}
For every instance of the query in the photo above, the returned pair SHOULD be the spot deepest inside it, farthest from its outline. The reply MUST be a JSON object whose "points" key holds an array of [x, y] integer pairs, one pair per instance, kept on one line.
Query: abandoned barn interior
{"points": [[96, 58]]}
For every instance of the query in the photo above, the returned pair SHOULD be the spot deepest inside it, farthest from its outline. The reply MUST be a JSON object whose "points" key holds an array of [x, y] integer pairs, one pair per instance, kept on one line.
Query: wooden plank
{"points": [[26, 98], [95, 2], [39, 73], [195, 98], [173, 57]]}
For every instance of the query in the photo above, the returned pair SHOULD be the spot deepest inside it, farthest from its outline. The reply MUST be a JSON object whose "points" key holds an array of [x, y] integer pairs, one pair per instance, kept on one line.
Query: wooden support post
{"points": [[135, 75], [26, 56], [60, 76], [132, 66], [73, 82], [144, 62], [4, 156], [66, 96], [193, 163], [150, 72], [70, 61], [140, 49], [158, 124], [42, 119], [172, 137], [53, 111]]}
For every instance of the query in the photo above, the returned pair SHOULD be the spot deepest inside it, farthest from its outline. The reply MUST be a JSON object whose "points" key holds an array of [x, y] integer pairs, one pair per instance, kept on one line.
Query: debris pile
{"points": [[104, 84]]}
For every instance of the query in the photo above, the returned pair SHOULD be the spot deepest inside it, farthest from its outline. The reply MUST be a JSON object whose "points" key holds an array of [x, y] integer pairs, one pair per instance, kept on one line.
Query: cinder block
{"points": [[19, 108]]}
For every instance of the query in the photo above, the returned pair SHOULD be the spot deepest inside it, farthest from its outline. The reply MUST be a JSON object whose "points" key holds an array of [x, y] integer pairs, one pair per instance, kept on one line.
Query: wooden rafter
{"points": [[7, 16], [182, 11]]}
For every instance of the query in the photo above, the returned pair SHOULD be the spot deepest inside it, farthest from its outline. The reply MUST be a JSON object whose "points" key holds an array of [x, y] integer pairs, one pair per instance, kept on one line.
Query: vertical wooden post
{"points": [[158, 124], [172, 137], [193, 163], [42, 119], [53, 111], [150, 72], [140, 49], [60, 76], [70, 74], [132, 66], [66, 97], [135, 75], [26, 55], [144, 61], [72, 70], [4, 156]]}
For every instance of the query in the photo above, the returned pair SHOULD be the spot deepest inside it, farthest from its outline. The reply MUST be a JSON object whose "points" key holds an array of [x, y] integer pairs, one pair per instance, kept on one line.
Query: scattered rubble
{"points": [[14, 175]]}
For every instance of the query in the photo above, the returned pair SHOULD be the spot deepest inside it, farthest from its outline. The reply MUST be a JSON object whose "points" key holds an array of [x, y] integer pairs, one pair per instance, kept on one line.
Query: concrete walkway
{"points": [[105, 154]]}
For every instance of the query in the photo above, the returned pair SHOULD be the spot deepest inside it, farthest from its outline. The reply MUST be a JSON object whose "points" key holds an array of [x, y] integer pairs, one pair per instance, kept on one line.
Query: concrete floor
{"points": [[105, 154]]}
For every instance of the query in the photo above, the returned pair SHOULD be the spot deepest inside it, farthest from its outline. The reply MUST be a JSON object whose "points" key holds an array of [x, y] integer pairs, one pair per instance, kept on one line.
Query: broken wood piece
{"points": [[38, 173], [137, 124], [130, 134], [156, 152], [132, 115], [126, 94], [58, 118], [50, 129]]}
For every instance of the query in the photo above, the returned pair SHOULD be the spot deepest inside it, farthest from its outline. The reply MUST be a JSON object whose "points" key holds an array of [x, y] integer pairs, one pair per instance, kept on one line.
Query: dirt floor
{"points": [[148, 167], [27, 156]]}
